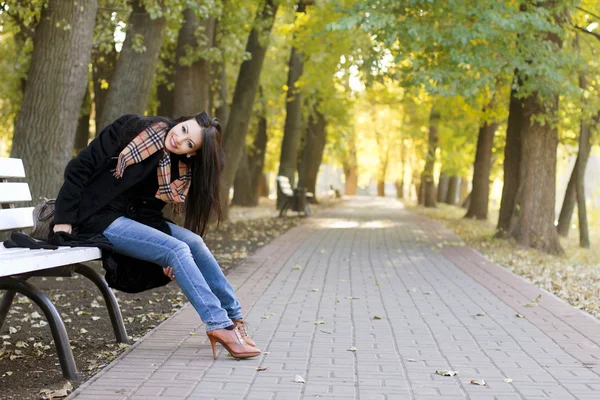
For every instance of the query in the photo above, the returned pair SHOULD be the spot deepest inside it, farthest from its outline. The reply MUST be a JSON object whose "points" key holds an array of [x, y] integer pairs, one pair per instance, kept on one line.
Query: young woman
{"points": [[118, 187]]}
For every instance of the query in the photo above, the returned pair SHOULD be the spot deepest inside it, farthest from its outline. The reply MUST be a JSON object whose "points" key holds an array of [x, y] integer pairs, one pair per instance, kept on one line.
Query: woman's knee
{"points": [[195, 243], [178, 252]]}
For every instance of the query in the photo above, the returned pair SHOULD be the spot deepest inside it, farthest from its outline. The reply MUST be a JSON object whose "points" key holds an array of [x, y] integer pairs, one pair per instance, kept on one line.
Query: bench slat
{"points": [[11, 168], [17, 262], [16, 218], [11, 192]]}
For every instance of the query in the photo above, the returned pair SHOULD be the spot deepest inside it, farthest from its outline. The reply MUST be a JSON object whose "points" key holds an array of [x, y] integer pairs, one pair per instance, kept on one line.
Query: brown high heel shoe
{"points": [[233, 342], [242, 327]]}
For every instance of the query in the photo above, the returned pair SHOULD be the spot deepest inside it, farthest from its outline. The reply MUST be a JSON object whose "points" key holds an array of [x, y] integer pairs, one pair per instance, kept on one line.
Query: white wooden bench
{"points": [[295, 200], [17, 265]]}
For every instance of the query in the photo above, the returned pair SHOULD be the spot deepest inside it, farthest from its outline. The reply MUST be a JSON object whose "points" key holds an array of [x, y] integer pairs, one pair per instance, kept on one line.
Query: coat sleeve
{"points": [[80, 170]]}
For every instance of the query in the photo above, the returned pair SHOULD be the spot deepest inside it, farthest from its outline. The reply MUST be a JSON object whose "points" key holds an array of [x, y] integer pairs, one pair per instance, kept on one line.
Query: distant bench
{"points": [[17, 265], [294, 199]]}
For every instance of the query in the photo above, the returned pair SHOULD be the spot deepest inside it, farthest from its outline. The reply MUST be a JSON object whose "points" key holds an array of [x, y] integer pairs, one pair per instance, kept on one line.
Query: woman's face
{"points": [[184, 138]]}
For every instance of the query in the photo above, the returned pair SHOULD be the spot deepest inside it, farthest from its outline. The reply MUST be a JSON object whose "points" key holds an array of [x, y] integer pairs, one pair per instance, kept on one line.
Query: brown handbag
{"points": [[43, 214]]}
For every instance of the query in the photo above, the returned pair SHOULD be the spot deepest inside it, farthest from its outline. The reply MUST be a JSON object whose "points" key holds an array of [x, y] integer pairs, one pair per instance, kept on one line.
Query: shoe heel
{"points": [[213, 342]]}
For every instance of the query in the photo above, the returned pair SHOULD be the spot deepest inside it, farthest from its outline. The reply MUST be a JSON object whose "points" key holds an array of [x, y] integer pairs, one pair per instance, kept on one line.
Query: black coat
{"points": [[89, 186]]}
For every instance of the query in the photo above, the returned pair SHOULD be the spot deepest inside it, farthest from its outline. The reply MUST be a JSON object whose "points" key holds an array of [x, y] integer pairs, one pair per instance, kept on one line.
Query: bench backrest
{"points": [[284, 185], [13, 192]]}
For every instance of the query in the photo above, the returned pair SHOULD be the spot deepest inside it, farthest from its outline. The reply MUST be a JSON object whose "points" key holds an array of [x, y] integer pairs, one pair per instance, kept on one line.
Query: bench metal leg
{"points": [[307, 210], [114, 311], [57, 327], [285, 206], [7, 300]]}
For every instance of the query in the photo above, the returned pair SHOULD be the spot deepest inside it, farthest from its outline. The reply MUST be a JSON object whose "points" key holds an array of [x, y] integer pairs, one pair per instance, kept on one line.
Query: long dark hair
{"points": [[203, 198]]}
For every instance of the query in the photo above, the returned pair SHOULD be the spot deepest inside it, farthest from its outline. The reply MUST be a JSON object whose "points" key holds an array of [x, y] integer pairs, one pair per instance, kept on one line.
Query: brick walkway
{"points": [[399, 288]]}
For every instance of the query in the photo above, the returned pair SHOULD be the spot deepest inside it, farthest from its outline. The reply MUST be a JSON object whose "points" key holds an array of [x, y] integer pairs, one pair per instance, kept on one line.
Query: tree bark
{"points": [[350, 167], [312, 154], [442, 192], [464, 190], [104, 62], [293, 117], [132, 81], [512, 160], [242, 184], [56, 83], [585, 146], [219, 97], [400, 182], [82, 135], [247, 182], [452, 194], [243, 97], [192, 81], [427, 181], [568, 205], [480, 195], [164, 91]]}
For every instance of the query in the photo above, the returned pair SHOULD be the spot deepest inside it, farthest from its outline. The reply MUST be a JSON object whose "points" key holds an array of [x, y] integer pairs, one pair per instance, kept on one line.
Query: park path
{"points": [[401, 290]]}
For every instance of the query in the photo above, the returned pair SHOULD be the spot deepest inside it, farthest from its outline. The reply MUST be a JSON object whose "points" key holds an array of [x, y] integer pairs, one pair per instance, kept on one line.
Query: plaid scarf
{"points": [[146, 143]]}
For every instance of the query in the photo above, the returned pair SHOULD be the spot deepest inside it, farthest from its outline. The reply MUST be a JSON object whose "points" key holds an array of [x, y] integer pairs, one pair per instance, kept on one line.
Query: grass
{"points": [[574, 277]]}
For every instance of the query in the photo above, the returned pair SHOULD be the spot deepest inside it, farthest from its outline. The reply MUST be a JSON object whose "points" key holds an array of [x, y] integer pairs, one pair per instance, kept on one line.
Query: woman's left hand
{"points": [[168, 271]]}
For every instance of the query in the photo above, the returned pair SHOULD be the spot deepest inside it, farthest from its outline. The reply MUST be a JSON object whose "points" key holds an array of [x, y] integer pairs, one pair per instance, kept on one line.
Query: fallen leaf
{"points": [[445, 372], [12, 330], [479, 382], [412, 360], [83, 330], [377, 317], [427, 292], [299, 379], [94, 318], [315, 290], [320, 322], [193, 333], [352, 349], [519, 316], [508, 380], [48, 394], [8, 373], [296, 267], [261, 368], [481, 314]]}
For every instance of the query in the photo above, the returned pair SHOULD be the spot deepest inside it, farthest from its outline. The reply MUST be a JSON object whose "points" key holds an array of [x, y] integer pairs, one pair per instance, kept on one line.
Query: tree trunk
{"points": [[400, 182], [568, 205], [442, 192], [585, 146], [464, 190], [532, 223], [427, 176], [82, 135], [242, 185], [104, 62], [263, 186], [192, 75], [312, 154], [247, 183], [452, 194], [165, 92], [243, 97], [132, 81], [256, 159], [512, 160], [350, 167], [219, 97], [293, 118], [383, 165], [56, 82], [480, 195]]}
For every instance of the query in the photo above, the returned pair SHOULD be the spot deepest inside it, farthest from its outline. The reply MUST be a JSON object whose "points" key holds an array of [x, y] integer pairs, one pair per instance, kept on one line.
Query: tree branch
{"points": [[28, 31], [588, 12], [596, 35]]}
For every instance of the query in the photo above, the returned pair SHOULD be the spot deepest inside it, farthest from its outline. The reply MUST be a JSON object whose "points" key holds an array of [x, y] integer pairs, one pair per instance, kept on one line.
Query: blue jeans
{"points": [[196, 270]]}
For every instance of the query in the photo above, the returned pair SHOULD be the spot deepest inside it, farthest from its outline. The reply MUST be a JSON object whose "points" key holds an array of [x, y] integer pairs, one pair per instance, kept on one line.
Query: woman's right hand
{"points": [[63, 228]]}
